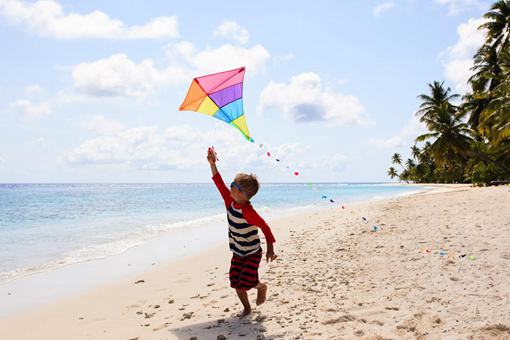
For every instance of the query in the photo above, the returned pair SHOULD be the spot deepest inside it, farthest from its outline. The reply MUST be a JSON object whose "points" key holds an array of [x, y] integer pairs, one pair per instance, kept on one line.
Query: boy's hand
{"points": [[270, 255], [211, 156]]}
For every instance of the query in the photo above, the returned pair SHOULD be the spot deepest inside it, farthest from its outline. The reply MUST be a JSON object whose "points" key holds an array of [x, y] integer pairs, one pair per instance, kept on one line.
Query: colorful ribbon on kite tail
{"points": [[297, 173]]}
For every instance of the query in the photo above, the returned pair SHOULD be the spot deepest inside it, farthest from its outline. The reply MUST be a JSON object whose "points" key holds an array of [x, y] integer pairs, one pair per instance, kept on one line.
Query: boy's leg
{"points": [[243, 296], [261, 293]]}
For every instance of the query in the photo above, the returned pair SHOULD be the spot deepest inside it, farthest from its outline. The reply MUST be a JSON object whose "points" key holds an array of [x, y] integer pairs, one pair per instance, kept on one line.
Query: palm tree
{"points": [[392, 172], [410, 164], [397, 159], [495, 117], [487, 62], [451, 137], [430, 104], [416, 152], [498, 25]]}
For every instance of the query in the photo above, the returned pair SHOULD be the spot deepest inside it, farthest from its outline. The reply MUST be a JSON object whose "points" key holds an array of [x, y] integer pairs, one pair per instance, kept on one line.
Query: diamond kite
{"points": [[219, 95]]}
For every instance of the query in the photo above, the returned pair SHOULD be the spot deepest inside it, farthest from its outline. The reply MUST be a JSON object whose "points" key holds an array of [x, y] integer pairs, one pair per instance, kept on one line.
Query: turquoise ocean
{"points": [[47, 226]]}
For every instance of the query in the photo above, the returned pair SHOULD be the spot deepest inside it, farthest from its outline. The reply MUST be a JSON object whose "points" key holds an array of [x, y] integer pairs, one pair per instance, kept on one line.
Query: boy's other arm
{"points": [[253, 218]]}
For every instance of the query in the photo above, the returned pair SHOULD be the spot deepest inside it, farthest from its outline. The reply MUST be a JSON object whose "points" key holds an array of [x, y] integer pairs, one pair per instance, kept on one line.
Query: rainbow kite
{"points": [[219, 95]]}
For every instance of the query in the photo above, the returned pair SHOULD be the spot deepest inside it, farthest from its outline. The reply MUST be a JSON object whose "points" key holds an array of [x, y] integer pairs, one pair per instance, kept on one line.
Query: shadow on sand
{"points": [[250, 327]]}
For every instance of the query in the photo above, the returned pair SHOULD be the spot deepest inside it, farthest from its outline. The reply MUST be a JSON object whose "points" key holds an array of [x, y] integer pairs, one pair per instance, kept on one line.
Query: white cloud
{"points": [[47, 19], [34, 89], [404, 138], [303, 99], [232, 30], [2, 160], [458, 59], [457, 6], [389, 143], [178, 147], [27, 108], [216, 59], [285, 57], [120, 76], [384, 7], [104, 126]]}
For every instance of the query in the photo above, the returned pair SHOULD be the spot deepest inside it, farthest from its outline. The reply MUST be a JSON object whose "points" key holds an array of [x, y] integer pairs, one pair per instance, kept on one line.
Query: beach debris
{"points": [[139, 312], [149, 315], [171, 301], [343, 318], [442, 253], [156, 306], [221, 337], [472, 257], [139, 281], [187, 315], [463, 255], [376, 228]]}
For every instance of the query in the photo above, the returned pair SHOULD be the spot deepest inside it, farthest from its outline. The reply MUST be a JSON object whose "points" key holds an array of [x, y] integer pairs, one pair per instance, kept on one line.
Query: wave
{"points": [[111, 247]]}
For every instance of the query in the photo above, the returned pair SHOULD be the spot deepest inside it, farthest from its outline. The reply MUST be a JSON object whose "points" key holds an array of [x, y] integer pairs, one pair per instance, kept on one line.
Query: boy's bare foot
{"points": [[261, 293], [245, 313]]}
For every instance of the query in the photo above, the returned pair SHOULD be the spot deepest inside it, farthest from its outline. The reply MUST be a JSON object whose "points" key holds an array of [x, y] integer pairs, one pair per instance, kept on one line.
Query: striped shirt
{"points": [[243, 223], [242, 236]]}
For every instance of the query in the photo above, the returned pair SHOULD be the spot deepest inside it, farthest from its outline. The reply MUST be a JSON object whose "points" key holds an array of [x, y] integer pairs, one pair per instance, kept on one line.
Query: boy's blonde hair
{"points": [[249, 183]]}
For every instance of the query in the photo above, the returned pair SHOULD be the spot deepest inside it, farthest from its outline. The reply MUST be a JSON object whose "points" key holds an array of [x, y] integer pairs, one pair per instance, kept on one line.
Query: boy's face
{"points": [[237, 194]]}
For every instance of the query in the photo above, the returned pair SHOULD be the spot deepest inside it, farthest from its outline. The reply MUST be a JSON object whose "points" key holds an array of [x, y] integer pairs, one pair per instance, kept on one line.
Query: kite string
{"points": [[296, 173]]}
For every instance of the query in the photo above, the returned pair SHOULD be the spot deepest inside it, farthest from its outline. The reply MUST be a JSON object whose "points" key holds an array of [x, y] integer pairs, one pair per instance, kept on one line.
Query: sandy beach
{"points": [[433, 265]]}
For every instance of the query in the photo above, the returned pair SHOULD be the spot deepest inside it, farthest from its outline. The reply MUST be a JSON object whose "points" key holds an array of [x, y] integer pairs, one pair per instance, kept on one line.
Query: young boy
{"points": [[244, 241]]}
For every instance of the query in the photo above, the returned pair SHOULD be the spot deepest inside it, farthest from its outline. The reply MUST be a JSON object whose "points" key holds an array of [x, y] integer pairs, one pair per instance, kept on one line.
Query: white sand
{"points": [[334, 279]]}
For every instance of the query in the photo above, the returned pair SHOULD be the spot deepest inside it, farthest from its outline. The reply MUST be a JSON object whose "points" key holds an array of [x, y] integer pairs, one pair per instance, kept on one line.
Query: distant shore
{"points": [[428, 265]]}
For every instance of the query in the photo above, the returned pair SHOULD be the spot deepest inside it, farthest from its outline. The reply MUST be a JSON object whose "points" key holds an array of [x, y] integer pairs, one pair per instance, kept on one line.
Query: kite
{"points": [[219, 95]]}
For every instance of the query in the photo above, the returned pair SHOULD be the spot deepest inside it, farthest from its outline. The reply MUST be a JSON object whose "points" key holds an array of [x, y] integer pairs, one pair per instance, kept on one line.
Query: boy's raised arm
{"points": [[216, 177], [211, 158]]}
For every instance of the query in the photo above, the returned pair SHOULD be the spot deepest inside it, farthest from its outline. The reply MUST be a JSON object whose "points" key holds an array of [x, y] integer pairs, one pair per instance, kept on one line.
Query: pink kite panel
{"points": [[238, 78], [219, 81]]}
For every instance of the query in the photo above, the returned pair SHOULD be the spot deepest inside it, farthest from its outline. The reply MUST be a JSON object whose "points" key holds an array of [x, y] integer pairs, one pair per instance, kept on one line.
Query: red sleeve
{"points": [[222, 188], [253, 218]]}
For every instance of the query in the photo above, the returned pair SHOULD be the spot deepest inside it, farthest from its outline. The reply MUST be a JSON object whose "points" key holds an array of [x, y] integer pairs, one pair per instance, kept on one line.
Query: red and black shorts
{"points": [[244, 271]]}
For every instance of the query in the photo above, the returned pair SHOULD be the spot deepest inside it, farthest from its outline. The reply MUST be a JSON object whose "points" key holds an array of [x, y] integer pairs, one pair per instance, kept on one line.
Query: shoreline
{"points": [[44, 286], [375, 279]]}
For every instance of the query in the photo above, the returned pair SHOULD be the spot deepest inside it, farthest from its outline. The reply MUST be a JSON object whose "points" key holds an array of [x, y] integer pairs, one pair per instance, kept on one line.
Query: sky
{"points": [[90, 90]]}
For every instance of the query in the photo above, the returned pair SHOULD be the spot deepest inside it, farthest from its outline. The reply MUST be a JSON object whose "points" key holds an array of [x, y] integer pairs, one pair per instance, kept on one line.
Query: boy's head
{"points": [[244, 187]]}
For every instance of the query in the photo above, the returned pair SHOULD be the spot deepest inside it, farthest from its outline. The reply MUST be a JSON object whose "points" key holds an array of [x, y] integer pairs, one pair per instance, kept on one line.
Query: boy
{"points": [[244, 241]]}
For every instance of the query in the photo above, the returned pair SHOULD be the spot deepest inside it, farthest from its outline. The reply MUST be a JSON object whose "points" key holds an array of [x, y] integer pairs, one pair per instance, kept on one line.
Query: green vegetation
{"points": [[467, 142]]}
